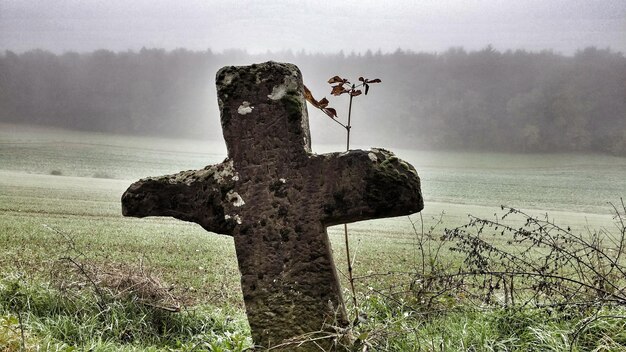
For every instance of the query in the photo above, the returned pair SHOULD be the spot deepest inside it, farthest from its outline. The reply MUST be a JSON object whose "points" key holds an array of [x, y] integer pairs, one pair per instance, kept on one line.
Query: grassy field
{"points": [[60, 197]]}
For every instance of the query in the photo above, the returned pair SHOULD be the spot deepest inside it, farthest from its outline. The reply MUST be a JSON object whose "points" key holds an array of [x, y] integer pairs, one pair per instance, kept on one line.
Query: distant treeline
{"points": [[487, 100]]}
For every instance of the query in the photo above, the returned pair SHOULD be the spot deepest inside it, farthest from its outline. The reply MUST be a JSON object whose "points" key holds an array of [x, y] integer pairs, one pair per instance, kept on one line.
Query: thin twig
{"points": [[345, 226], [93, 283]]}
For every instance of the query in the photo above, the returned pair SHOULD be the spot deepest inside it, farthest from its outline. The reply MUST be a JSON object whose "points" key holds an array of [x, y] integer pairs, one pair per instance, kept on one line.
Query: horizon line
{"points": [[304, 52]]}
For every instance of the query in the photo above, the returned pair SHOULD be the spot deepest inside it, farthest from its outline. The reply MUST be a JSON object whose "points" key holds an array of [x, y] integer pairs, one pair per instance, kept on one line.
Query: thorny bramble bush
{"points": [[541, 264], [517, 264]]}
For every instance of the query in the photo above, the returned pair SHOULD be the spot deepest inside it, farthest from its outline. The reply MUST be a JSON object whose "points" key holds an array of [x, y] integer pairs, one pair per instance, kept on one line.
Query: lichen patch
{"points": [[372, 157], [279, 91], [235, 217], [228, 79], [245, 108], [235, 198], [228, 170]]}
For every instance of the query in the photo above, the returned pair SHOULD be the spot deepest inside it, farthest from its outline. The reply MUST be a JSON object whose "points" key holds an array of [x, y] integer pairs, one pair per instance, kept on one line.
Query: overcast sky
{"points": [[314, 26]]}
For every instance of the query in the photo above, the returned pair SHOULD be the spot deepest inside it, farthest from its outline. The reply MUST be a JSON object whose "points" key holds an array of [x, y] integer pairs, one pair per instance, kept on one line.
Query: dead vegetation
{"points": [[115, 281], [111, 281], [515, 266]]}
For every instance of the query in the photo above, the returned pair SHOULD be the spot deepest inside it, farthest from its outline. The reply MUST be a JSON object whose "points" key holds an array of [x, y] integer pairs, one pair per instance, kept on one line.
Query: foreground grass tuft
{"points": [[77, 320], [57, 320], [393, 327]]}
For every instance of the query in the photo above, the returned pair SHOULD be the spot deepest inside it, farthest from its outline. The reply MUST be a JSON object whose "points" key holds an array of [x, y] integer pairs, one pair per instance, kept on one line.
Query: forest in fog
{"points": [[484, 100]]}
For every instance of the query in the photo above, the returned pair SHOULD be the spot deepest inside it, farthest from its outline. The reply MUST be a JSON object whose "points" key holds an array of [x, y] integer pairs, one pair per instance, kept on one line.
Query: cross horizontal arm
{"points": [[198, 196], [369, 184]]}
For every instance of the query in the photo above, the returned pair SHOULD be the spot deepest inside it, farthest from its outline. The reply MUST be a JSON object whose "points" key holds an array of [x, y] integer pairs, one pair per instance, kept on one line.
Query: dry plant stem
{"points": [[23, 337], [345, 226], [101, 299], [348, 126], [350, 277], [583, 272], [18, 305], [340, 124], [420, 244]]}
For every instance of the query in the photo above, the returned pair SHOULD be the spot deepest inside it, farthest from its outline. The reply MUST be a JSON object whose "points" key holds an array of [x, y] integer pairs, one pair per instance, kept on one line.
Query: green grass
{"points": [[83, 202], [53, 322], [65, 319]]}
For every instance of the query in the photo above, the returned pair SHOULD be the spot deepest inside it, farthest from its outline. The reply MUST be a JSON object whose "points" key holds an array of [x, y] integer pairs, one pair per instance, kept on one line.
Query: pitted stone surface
{"points": [[276, 199]]}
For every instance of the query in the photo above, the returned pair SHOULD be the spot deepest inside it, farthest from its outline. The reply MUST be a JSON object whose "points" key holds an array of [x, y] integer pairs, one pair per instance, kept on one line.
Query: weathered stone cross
{"points": [[276, 199]]}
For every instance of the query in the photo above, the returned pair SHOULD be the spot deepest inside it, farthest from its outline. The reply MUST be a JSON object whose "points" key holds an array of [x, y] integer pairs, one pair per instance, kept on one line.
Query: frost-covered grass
{"points": [[201, 268], [581, 183]]}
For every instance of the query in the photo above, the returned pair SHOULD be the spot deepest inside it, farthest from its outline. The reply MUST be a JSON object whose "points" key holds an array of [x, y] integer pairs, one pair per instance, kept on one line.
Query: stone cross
{"points": [[276, 198]]}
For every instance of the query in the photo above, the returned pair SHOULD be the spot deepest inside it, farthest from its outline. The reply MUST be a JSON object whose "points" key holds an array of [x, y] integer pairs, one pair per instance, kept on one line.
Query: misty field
{"points": [[60, 198]]}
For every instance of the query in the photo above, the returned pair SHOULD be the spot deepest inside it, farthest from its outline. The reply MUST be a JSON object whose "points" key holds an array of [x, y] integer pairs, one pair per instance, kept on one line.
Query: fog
{"points": [[314, 26], [523, 76]]}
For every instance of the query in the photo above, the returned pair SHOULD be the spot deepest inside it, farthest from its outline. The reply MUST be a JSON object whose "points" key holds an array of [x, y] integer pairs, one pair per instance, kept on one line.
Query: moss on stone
{"points": [[293, 105]]}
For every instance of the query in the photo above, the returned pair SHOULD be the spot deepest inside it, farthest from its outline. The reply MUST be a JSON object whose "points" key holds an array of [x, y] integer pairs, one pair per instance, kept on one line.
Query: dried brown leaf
{"points": [[338, 90], [336, 79], [322, 104], [309, 97], [330, 112]]}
